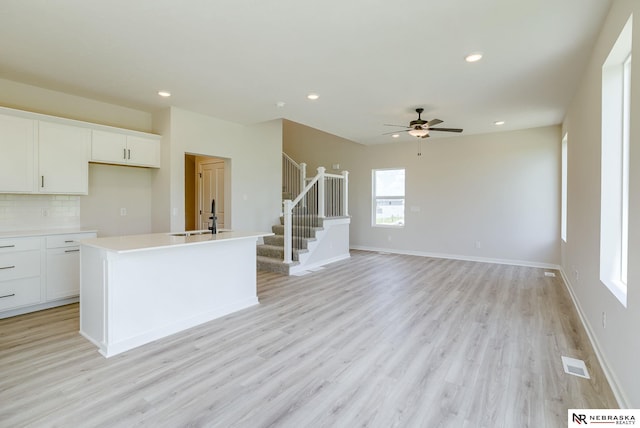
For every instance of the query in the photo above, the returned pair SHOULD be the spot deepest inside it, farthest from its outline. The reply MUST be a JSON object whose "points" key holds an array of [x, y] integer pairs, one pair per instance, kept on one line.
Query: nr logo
{"points": [[580, 419]]}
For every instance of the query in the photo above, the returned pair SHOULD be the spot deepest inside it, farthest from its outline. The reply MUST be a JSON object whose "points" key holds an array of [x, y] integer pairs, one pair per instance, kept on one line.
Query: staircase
{"points": [[314, 228], [271, 253]]}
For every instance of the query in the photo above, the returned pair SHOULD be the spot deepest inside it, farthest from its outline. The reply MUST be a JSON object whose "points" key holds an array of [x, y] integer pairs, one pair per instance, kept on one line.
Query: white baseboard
{"points": [[111, 349], [302, 268], [38, 307], [623, 403], [459, 257]]}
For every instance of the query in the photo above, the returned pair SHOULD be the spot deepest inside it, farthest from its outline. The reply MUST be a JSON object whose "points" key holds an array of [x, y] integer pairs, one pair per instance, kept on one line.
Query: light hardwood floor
{"points": [[377, 341]]}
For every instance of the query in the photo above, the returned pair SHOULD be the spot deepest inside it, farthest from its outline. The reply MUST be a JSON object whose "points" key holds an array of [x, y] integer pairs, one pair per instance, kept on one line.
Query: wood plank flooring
{"points": [[379, 340]]}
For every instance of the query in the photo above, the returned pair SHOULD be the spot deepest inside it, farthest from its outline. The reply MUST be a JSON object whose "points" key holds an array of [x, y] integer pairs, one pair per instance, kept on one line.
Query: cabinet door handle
{"points": [[72, 251], [7, 267], [124, 153], [8, 295], [42, 181], [68, 242], [129, 154], [8, 246]]}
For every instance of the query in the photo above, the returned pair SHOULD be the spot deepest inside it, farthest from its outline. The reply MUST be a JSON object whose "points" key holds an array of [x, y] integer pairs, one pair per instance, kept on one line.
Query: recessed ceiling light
{"points": [[313, 96], [164, 94], [473, 57], [395, 135], [499, 122], [280, 104]]}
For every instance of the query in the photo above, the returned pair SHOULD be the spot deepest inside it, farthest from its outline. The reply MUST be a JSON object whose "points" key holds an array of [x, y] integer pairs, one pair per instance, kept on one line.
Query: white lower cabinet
{"points": [[19, 292], [19, 272], [63, 265], [39, 272]]}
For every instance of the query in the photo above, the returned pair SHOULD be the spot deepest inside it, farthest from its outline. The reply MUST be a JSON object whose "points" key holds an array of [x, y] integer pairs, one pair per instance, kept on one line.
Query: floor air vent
{"points": [[575, 367]]}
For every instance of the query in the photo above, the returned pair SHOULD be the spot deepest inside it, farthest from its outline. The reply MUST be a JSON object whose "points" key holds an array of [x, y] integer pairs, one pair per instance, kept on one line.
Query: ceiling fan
{"points": [[420, 128]]}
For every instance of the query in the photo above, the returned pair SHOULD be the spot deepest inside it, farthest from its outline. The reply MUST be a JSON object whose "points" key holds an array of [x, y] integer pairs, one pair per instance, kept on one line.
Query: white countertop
{"points": [[130, 243], [42, 232]]}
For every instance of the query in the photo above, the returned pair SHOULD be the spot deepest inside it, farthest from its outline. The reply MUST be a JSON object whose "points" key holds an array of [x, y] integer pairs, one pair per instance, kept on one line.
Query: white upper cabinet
{"points": [[47, 154], [63, 161], [143, 151], [108, 147], [17, 151], [116, 148]]}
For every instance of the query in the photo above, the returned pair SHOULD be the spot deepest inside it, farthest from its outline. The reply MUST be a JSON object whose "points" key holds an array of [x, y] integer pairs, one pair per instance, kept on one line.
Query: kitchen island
{"points": [[139, 288]]}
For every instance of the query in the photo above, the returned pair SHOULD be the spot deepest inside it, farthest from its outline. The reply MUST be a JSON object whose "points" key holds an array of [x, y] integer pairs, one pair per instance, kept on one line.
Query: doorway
{"points": [[206, 179]]}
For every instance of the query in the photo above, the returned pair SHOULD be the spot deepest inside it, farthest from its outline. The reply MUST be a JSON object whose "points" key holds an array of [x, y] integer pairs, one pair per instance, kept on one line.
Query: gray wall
{"points": [[501, 190]]}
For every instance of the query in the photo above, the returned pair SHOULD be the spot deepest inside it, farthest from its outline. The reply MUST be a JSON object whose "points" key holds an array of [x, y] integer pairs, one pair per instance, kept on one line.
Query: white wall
{"points": [[112, 188], [499, 189], [254, 154], [32, 98], [20, 212], [618, 343]]}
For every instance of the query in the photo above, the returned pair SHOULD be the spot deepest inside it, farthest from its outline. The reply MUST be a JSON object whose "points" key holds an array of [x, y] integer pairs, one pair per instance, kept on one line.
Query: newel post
{"points": [[287, 209], [321, 211], [303, 176], [345, 193]]}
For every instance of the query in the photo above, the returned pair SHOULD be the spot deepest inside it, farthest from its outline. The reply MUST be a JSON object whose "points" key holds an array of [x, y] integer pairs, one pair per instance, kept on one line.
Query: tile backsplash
{"points": [[35, 212]]}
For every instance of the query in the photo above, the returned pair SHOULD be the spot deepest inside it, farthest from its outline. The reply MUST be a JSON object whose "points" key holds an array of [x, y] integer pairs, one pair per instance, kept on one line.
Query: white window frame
{"points": [[375, 197], [614, 192]]}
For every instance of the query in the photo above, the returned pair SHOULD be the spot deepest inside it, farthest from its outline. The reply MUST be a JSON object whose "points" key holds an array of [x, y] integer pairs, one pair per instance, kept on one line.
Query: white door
{"points": [[211, 187]]}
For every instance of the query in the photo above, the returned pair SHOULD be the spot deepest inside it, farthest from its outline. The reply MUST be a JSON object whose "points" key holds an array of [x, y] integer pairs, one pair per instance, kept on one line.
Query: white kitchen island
{"points": [[139, 288]]}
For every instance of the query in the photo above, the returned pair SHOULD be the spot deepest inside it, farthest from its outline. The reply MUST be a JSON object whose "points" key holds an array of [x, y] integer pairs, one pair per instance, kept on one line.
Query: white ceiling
{"points": [[372, 62]]}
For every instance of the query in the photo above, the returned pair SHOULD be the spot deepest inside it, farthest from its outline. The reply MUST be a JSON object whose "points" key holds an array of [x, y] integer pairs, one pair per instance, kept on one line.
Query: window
{"points": [[614, 191], [388, 197], [563, 208]]}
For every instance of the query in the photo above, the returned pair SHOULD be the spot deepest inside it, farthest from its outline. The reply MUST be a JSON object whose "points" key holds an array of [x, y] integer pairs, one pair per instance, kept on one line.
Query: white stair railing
{"points": [[293, 176], [326, 195]]}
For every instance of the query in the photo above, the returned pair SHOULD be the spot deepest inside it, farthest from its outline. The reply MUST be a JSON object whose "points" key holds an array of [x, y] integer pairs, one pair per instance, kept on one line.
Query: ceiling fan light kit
{"points": [[419, 132], [420, 128]]}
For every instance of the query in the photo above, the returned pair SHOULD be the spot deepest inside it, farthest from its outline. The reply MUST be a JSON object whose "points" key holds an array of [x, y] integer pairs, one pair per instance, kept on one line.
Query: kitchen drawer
{"points": [[20, 264], [70, 240], [9, 245], [19, 292]]}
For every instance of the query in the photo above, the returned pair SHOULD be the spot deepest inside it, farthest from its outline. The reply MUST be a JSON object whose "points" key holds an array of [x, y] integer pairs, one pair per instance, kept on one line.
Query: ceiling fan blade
{"points": [[396, 132], [434, 122], [446, 129], [402, 126]]}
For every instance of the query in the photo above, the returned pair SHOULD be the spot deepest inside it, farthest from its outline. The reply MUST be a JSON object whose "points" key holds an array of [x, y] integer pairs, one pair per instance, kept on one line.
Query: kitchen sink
{"points": [[191, 233]]}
